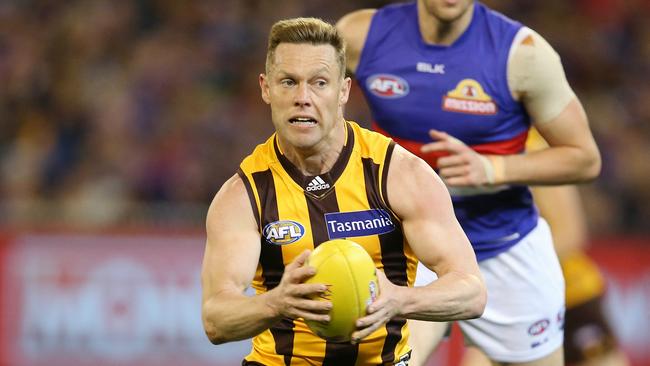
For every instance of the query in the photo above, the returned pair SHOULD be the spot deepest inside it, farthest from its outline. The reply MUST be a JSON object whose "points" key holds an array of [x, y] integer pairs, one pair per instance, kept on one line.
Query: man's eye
{"points": [[321, 83], [287, 82]]}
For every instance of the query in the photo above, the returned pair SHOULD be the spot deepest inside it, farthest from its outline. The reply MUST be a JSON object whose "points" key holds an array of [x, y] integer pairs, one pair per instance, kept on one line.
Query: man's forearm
{"points": [[453, 296], [559, 165], [238, 317]]}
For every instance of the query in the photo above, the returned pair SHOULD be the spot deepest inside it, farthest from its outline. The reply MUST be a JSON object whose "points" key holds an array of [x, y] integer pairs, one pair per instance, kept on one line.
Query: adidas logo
{"points": [[317, 184]]}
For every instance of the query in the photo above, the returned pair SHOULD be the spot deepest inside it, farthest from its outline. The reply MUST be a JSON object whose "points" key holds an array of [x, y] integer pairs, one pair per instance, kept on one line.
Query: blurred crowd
{"points": [[121, 112]]}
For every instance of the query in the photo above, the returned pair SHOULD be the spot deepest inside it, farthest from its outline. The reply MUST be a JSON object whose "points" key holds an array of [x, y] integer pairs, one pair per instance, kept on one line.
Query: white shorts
{"points": [[524, 316]]}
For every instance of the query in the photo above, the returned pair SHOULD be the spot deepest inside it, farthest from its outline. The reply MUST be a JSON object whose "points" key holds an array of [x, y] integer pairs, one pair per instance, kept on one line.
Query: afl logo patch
{"points": [[283, 232], [539, 327], [387, 86]]}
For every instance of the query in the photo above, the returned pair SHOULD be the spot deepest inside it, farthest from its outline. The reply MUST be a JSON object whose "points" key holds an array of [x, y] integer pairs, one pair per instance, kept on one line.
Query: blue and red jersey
{"points": [[462, 89]]}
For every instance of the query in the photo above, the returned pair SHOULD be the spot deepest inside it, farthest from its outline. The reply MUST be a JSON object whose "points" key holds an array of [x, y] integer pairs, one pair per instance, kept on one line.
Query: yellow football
{"points": [[350, 273]]}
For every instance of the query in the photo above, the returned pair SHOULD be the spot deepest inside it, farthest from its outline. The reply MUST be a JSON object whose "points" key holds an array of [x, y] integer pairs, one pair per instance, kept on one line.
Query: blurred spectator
{"points": [[131, 112]]}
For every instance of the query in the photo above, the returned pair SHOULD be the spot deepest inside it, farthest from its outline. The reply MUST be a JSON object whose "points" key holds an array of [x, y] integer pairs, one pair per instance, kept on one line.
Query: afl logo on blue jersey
{"points": [[283, 232], [387, 86]]}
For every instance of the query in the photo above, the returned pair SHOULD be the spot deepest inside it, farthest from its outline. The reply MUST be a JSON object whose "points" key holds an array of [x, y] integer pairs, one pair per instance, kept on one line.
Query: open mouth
{"points": [[302, 121]]}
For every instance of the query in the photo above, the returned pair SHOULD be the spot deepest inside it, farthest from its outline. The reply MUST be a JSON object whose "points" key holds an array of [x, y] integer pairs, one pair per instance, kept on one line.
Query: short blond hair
{"points": [[305, 30]]}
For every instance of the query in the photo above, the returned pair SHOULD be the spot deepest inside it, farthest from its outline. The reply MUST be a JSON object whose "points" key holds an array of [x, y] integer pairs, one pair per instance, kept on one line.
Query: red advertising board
{"points": [[626, 265], [105, 300], [118, 299]]}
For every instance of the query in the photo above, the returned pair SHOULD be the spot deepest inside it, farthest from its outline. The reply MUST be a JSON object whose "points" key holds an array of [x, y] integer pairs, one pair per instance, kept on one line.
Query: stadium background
{"points": [[119, 120]]}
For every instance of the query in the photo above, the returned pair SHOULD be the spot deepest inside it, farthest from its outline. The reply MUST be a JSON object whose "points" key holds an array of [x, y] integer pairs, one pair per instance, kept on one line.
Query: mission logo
{"points": [[387, 86], [358, 223], [469, 97]]}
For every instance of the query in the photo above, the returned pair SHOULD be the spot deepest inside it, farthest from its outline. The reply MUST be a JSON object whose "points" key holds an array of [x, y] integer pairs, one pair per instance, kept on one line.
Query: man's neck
{"points": [[437, 32], [317, 160]]}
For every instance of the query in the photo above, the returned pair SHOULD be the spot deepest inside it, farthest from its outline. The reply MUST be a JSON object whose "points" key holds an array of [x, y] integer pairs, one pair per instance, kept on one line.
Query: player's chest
{"points": [[471, 88]]}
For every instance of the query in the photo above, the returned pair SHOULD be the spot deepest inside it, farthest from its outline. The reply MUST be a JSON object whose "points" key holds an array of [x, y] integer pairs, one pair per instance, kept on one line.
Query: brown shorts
{"points": [[403, 361], [587, 335]]}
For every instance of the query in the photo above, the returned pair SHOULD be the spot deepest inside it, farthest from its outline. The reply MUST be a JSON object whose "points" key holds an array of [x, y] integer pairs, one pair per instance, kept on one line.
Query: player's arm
{"points": [[231, 255], [561, 206], [537, 77], [353, 27], [422, 202]]}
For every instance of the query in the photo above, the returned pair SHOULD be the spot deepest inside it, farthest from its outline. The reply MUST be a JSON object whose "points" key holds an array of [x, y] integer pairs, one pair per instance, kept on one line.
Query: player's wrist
{"points": [[403, 298], [499, 166], [270, 301], [494, 166]]}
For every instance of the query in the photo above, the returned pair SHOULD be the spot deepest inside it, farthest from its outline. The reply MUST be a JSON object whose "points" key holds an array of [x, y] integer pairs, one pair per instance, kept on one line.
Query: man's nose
{"points": [[303, 95]]}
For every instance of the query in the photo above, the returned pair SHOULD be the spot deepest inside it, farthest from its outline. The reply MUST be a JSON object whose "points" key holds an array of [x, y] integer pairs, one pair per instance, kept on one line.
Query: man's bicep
{"points": [[440, 247], [570, 128], [419, 197], [233, 242]]}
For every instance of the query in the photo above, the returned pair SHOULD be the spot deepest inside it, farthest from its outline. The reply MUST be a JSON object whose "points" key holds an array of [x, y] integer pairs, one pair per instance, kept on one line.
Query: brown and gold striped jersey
{"points": [[295, 212]]}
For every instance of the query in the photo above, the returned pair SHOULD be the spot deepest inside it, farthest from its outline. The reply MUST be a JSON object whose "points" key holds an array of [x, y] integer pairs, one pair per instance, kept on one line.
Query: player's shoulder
{"points": [[371, 144], [359, 20], [409, 170], [367, 136], [231, 194], [355, 25], [406, 161], [412, 185], [232, 209], [261, 157], [366, 26], [354, 22], [234, 186], [527, 37], [354, 28]]}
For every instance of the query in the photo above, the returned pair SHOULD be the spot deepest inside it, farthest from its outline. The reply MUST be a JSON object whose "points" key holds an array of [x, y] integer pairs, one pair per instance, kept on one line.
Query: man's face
{"points": [[306, 93], [447, 11]]}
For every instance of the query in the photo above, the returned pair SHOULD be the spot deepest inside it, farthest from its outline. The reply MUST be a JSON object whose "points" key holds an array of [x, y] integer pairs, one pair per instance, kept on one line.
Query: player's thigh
{"points": [[554, 359], [424, 339], [475, 357], [523, 318]]}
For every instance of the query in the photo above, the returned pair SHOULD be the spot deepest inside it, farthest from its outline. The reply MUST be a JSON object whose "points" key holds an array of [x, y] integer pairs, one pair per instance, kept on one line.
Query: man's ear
{"points": [[345, 91], [264, 86]]}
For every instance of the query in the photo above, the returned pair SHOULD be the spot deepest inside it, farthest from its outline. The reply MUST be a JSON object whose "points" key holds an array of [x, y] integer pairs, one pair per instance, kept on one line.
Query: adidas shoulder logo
{"points": [[317, 184]]}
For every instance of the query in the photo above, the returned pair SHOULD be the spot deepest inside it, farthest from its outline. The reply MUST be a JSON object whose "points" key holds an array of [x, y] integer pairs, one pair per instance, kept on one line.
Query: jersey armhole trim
{"points": [[384, 175], [251, 197]]}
